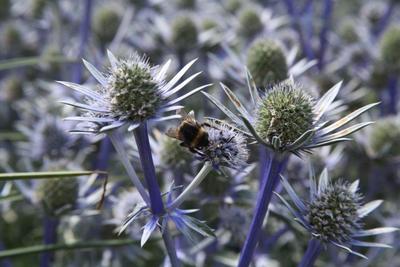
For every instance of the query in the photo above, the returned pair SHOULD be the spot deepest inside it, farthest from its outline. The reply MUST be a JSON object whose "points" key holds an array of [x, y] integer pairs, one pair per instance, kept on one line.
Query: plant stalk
{"points": [[156, 203], [193, 185], [314, 248], [268, 185]]}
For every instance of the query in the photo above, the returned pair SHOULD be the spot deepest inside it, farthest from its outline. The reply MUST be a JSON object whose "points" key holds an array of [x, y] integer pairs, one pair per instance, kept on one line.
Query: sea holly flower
{"points": [[226, 146], [288, 119], [132, 92], [334, 213]]}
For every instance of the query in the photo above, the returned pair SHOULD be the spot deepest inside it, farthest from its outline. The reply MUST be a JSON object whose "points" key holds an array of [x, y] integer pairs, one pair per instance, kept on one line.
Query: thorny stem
{"points": [[268, 185], [156, 203], [116, 140], [193, 184], [313, 250]]}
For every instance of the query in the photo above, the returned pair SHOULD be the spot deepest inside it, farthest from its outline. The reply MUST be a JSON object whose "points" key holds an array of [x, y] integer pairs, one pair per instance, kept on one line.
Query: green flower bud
{"points": [[12, 88], [286, 112], [233, 5], [390, 52], [384, 138], [266, 62], [184, 34], [333, 213], [105, 24], [348, 32], [250, 23], [133, 90], [12, 38], [58, 195], [379, 77]]}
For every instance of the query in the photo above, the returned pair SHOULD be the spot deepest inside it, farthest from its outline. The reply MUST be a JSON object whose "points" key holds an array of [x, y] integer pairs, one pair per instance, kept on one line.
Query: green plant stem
{"points": [[44, 175], [194, 184], [55, 247]]}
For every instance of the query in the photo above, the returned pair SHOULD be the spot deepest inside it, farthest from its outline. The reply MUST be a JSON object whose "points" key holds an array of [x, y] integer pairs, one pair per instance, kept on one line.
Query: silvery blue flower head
{"points": [[334, 212], [226, 146], [131, 93], [288, 119]]}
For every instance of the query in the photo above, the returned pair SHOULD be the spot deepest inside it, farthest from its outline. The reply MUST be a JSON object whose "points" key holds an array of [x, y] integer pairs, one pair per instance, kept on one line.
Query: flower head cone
{"points": [[287, 119], [226, 146], [334, 213], [131, 93]]}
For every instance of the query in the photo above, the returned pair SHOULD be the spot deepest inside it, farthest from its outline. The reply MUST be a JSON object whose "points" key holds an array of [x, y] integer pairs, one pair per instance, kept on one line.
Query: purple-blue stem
{"points": [[156, 203], [269, 182], [296, 25], [323, 36], [392, 90], [314, 248], [146, 159], [84, 36], [50, 225], [5, 262], [263, 158]]}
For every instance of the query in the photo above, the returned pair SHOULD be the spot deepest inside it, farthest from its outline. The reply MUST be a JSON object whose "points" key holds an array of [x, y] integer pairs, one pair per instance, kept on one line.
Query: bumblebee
{"points": [[191, 132]]}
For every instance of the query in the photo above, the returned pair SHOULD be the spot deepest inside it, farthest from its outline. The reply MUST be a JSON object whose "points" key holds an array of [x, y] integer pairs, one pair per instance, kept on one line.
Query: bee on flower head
{"points": [[191, 132], [213, 141]]}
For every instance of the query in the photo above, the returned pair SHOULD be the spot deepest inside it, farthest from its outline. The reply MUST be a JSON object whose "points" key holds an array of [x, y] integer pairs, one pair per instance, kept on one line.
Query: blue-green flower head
{"points": [[132, 92], [226, 147], [250, 22], [106, 21], [267, 63], [384, 138], [390, 53], [133, 89], [348, 32], [286, 112], [334, 212], [184, 33]]}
